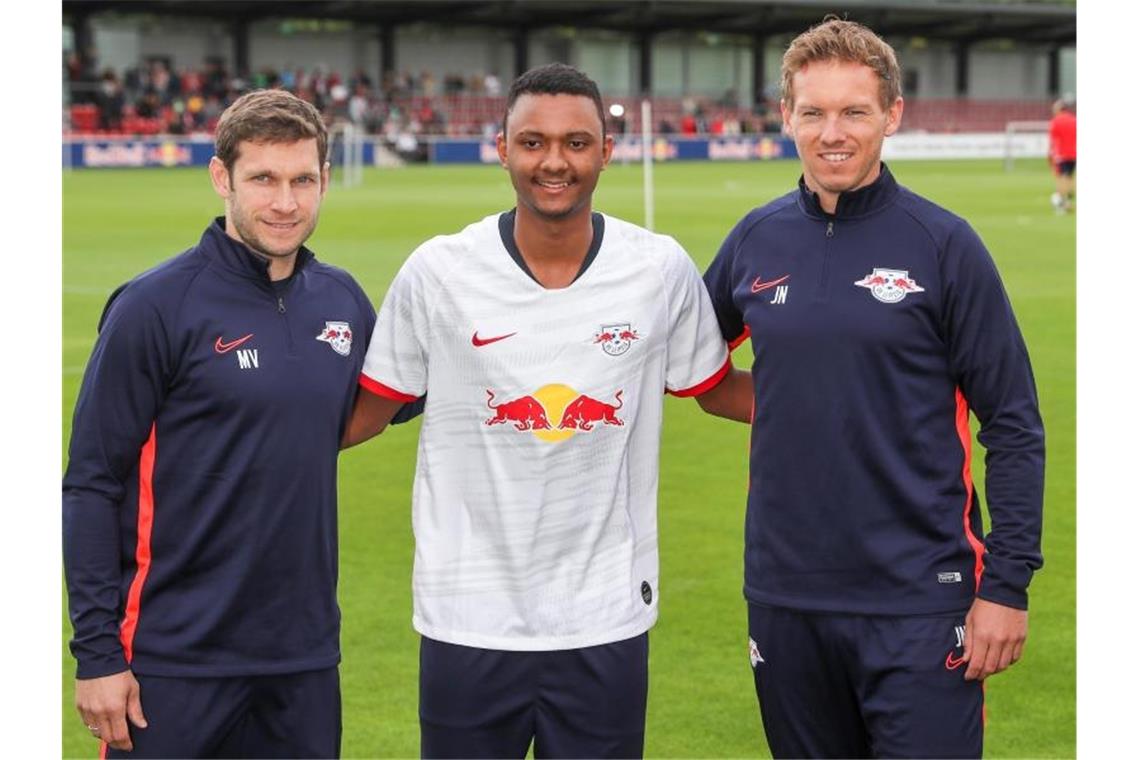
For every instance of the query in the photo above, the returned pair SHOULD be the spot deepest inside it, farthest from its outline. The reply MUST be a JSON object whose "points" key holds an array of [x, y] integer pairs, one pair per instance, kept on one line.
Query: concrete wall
{"points": [[343, 51], [1009, 74], [125, 42], [444, 51], [684, 62]]}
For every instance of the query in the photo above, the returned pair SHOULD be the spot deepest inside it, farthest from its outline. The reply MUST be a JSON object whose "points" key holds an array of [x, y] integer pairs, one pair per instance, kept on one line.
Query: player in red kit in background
{"points": [[1063, 152]]}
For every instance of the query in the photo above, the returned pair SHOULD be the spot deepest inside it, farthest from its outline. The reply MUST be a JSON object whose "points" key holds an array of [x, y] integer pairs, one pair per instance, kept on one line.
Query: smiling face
{"points": [[838, 122], [273, 195], [554, 150]]}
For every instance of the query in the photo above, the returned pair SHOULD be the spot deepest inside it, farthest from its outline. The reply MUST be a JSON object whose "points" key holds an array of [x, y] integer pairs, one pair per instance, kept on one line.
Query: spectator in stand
{"points": [[214, 80], [358, 105], [109, 99], [1063, 152], [79, 77], [196, 118], [147, 106], [133, 80], [162, 83], [191, 80], [492, 86], [361, 78], [212, 111], [688, 124]]}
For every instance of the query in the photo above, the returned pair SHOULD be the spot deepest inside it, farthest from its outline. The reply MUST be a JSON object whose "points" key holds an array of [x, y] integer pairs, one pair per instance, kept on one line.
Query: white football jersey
{"points": [[535, 496]]}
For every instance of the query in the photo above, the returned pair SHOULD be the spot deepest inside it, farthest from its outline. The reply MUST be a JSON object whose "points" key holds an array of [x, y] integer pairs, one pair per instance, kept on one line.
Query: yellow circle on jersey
{"points": [[555, 398]]}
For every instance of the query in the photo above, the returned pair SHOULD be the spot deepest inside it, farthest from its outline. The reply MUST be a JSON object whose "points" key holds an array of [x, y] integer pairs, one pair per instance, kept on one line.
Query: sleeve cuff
{"points": [[383, 390], [99, 667], [706, 385], [1009, 587], [732, 344]]}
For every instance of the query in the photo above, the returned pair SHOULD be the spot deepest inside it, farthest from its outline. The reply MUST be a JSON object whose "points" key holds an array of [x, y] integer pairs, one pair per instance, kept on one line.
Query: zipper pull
{"points": [[281, 303], [830, 233]]}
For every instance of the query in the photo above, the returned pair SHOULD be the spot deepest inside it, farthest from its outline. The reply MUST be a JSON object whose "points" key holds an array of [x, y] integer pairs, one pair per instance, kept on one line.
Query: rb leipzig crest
{"points": [[889, 285], [338, 335], [616, 339]]}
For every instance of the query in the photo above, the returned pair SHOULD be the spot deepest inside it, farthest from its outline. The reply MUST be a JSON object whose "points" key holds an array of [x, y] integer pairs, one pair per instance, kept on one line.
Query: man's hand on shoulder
{"points": [[995, 635], [105, 703]]}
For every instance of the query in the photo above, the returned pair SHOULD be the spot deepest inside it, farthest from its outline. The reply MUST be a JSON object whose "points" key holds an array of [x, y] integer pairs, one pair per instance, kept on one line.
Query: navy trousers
{"points": [[863, 685], [587, 702], [293, 715]]}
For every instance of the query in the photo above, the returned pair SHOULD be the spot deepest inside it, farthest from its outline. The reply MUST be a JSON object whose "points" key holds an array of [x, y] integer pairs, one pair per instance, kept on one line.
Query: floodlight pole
{"points": [[647, 159]]}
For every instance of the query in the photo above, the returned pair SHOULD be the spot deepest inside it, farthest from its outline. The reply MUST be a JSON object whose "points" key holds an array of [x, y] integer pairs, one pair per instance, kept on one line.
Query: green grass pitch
{"points": [[701, 700]]}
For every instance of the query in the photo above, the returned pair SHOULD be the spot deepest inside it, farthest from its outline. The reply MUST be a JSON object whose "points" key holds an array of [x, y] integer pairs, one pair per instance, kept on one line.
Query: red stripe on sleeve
{"points": [[142, 546], [740, 338], [962, 422], [383, 390], [708, 384]]}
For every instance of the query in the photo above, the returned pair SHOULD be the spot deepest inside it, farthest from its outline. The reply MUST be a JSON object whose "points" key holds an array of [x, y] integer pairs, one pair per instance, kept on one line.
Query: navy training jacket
{"points": [[199, 502], [875, 331]]}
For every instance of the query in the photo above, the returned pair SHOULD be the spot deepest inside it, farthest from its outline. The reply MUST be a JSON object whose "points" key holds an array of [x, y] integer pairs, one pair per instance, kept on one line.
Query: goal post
{"points": [[647, 160], [346, 153], [1025, 139]]}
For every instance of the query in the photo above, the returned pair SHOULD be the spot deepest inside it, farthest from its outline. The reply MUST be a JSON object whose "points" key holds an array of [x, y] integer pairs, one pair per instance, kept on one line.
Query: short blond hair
{"points": [[838, 40], [271, 116]]}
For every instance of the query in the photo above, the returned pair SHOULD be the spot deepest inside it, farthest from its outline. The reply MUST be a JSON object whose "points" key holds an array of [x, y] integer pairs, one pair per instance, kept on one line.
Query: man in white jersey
{"points": [[544, 339]]}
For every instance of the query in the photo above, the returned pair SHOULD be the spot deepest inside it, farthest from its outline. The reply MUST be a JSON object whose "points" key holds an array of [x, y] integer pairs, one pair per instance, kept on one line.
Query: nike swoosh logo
{"points": [[221, 347], [758, 284], [477, 341], [953, 662]]}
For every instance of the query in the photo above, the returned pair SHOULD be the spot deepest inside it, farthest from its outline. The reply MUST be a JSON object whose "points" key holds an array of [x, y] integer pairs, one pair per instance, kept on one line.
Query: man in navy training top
{"points": [[199, 502], [878, 322]]}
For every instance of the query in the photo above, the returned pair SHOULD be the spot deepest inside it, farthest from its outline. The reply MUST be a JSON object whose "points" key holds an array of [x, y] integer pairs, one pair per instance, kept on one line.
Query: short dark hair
{"points": [[272, 116], [554, 79]]}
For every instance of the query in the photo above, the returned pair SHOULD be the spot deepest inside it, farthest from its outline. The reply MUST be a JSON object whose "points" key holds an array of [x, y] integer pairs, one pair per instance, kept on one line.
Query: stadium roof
{"points": [[956, 20]]}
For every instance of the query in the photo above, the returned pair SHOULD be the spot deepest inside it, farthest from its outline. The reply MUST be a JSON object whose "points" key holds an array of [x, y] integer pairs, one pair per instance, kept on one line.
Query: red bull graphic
{"points": [[166, 153], [525, 412], [584, 412], [890, 285], [576, 412]]}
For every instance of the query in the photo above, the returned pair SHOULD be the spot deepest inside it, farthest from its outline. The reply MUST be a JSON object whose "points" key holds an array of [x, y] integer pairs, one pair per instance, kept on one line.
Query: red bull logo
{"points": [[338, 335], [890, 285], [575, 412], [525, 412], [616, 339], [584, 412]]}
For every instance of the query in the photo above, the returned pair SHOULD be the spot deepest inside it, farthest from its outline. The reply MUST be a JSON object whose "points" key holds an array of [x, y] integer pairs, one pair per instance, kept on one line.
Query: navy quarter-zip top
{"points": [[876, 330], [199, 502]]}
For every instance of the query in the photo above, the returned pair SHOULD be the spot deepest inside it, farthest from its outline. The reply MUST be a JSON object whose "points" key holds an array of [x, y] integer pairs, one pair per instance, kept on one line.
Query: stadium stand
{"points": [[178, 96], [461, 114]]}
